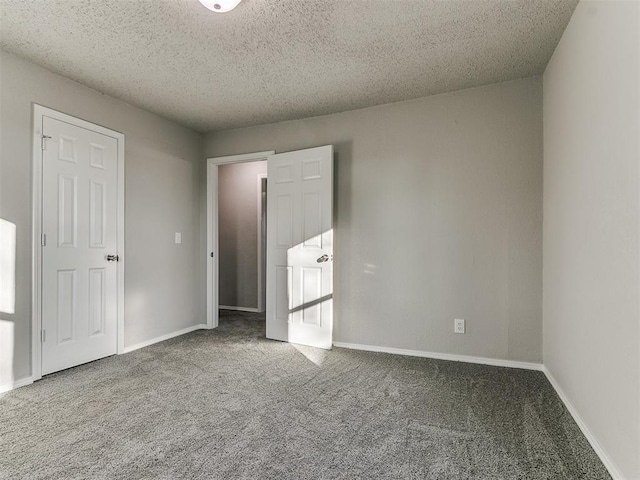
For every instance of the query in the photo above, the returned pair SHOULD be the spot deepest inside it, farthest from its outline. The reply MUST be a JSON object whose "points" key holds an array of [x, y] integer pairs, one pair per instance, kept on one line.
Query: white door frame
{"points": [[36, 257], [261, 253], [213, 266]]}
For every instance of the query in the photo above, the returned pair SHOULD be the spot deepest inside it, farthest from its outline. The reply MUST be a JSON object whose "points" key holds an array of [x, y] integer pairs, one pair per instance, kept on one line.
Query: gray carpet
{"points": [[228, 403]]}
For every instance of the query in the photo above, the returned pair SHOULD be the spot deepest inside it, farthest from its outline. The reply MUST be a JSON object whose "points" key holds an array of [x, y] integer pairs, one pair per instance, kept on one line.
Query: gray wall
{"points": [[238, 233], [163, 284], [438, 216], [591, 223]]}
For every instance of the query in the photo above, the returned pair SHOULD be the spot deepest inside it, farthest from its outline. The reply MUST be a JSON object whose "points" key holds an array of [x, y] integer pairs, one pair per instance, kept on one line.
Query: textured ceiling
{"points": [[272, 60]]}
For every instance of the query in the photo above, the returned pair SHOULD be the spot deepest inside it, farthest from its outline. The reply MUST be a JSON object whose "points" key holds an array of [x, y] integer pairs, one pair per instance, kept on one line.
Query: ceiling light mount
{"points": [[220, 6]]}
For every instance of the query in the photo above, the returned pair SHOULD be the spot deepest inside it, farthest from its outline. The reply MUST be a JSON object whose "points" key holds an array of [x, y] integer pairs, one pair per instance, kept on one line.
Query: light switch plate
{"points": [[178, 237]]}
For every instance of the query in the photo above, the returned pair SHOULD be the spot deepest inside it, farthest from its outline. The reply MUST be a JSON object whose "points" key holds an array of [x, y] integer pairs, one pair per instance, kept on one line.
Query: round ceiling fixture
{"points": [[220, 6]]}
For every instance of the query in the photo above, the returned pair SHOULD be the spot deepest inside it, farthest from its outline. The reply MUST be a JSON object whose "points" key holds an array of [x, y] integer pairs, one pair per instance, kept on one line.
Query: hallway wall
{"points": [[238, 233]]}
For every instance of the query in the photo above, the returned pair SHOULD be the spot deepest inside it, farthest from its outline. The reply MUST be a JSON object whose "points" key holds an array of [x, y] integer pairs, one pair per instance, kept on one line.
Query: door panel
{"points": [[66, 320], [79, 286], [97, 214], [97, 297], [67, 210], [299, 233]]}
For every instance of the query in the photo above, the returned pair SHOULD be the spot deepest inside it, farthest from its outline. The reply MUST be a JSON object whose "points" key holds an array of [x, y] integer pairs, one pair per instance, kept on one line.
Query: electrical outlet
{"points": [[458, 325], [178, 237]]}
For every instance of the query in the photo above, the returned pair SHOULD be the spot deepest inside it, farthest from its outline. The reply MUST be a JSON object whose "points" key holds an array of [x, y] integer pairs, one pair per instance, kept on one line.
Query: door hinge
{"points": [[43, 140], [43, 240], [43, 335]]}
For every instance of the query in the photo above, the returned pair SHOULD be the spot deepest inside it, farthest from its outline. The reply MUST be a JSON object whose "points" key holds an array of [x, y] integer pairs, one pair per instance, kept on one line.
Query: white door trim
{"points": [[36, 257], [261, 253], [213, 267]]}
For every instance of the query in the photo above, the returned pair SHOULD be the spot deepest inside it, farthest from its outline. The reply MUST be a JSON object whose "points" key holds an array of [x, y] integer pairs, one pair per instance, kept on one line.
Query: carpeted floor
{"points": [[228, 403]]}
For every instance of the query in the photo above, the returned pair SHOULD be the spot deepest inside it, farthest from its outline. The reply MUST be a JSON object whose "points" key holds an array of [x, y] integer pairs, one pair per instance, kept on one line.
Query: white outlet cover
{"points": [[459, 325], [178, 237]]}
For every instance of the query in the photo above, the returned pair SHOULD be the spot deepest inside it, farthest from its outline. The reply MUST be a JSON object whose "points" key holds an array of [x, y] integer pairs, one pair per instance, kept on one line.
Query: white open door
{"points": [[300, 247]]}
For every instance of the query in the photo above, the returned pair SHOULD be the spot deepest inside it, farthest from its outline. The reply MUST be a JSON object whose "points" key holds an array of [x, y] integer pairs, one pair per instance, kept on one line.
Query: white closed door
{"points": [[300, 247], [79, 213]]}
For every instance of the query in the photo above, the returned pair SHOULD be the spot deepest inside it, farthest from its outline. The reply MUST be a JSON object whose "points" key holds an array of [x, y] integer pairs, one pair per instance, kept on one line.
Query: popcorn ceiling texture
{"points": [[274, 60]]}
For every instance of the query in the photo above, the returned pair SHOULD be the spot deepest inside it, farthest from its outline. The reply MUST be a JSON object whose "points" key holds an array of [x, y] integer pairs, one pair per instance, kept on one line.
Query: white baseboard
{"points": [[7, 387], [239, 309], [443, 356], [600, 451], [146, 343]]}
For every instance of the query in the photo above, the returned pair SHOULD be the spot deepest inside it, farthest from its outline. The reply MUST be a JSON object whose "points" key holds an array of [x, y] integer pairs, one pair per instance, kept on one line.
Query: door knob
{"points": [[323, 258], [113, 258]]}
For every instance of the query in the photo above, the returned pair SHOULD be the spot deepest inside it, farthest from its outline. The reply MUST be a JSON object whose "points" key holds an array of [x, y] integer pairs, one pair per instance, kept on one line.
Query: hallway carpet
{"points": [[230, 404]]}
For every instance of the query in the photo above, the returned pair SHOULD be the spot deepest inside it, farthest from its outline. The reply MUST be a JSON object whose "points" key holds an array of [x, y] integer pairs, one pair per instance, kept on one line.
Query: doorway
{"points": [[242, 235], [299, 263], [224, 205]]}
